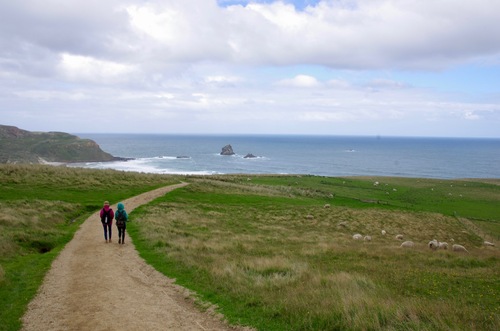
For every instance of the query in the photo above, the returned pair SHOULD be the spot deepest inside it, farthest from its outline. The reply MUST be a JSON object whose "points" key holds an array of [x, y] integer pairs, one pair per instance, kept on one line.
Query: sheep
{"points": [[407, 244], [487, 243], [443, 245], [383, 232], [357, 236], [433, 244], [399, 237], [326, 206], [459, 248], [309, 217], [368, 238]]}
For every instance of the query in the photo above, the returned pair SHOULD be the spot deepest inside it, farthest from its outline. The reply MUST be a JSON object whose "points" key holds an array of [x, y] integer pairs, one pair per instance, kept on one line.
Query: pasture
{"points": [[267, 252]]}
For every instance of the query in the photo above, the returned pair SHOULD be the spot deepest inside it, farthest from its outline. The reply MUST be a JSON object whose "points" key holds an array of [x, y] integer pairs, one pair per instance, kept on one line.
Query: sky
{"points": [[326, 67]]}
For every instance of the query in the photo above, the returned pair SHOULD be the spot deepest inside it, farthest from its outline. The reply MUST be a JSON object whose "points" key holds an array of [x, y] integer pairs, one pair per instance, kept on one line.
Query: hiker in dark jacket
{"points": [[107, 215], [121, 218]]}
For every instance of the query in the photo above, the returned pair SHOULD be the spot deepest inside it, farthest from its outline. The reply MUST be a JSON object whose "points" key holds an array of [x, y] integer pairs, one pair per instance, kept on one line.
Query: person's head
{"points": [[120, 206], [106, 205]]}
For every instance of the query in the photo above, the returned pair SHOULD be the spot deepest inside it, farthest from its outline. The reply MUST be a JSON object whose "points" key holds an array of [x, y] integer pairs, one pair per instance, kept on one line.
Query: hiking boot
{"points": [[109, 239], [119, 241]]}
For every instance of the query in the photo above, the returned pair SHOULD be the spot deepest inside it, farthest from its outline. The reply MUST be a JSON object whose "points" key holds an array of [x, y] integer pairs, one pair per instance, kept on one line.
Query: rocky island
{"points": [[227, 150]]}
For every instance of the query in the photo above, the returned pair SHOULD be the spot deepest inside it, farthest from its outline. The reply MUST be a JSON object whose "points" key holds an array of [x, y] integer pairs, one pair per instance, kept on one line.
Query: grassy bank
{"points": [[269, 253], [40, 209]]}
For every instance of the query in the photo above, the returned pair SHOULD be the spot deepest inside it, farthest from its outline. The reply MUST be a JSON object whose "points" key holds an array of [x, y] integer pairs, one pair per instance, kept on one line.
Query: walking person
{"points": [[121, 218], [107, 215]]}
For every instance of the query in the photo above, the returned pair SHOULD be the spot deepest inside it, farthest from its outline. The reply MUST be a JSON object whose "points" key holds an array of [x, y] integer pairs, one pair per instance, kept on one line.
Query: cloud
{"points": [[381, 83], [471, 116], [223, 81], [337, 34], [85, 68], [203, 63], [300, 81]]}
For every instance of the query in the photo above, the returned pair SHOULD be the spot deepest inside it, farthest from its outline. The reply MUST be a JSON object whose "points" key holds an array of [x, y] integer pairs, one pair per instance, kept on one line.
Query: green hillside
{"points": [[276, 252], [21, 146]]}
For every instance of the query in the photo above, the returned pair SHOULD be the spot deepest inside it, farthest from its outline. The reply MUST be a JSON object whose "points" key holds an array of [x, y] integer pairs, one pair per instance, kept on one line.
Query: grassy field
{"points": [[268, 253], [40, 209]]}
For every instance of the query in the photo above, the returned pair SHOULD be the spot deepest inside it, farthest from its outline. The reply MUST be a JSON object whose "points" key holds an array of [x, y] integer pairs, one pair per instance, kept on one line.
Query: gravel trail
{"points": [[93, 285]]}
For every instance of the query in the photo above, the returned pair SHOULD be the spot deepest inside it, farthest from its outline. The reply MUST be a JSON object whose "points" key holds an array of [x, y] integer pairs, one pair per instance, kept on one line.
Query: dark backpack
{"points": [[106, 216], [120, 219]]}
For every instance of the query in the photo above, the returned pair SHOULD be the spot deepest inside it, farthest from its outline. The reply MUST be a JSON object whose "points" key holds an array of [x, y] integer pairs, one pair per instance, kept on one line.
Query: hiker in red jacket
{"points": [[107, 215]]}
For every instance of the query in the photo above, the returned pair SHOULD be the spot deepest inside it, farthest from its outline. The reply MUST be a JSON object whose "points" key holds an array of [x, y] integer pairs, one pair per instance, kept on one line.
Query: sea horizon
{"points": [[210, 134], [323, 155]]}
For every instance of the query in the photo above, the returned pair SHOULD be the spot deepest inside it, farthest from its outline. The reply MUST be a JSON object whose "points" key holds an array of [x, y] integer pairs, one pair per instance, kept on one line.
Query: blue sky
{"points": [[332, 67]]}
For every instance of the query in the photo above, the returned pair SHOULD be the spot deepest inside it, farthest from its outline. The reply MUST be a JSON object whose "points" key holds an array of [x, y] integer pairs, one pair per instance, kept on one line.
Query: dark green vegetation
{"points": [[21, 146], [40, 209], [268, 252]]}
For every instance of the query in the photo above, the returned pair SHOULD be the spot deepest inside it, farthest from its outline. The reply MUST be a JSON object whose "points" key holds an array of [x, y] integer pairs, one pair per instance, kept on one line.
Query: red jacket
{"points": [[111, 214]]}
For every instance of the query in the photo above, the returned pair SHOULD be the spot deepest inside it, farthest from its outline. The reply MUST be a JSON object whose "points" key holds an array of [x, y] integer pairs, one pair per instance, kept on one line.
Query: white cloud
{"points": [[382, 83], [205, 62], [338, 34], [48, 95], [77, 67], [223, 81], [368, 34], [471, 116], [300, 81], [316, 116]]}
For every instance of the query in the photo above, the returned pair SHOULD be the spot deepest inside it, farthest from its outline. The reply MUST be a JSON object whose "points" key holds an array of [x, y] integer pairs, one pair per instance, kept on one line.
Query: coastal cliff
{"points": [[21, 146]]}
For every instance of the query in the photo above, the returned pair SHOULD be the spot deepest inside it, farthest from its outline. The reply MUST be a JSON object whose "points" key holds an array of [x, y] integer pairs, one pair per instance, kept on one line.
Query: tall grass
{"points": [[271, 256], [40, 209]]}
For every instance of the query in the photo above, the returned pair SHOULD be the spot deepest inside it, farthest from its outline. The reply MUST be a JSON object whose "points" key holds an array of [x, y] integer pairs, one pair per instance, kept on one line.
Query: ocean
{"points": [[333, 156]]}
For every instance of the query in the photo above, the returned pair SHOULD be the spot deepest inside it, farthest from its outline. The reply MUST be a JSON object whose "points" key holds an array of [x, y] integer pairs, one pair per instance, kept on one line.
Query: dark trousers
{"points": [[107, 228], [121, 234]]}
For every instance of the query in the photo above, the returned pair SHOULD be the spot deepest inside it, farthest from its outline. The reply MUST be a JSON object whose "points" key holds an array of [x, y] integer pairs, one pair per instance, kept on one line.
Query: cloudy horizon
{"points": [[331, 67]]}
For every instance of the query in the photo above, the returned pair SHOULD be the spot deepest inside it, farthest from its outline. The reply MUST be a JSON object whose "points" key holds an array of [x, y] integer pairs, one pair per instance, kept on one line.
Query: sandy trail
{"points": [[93, 285]]}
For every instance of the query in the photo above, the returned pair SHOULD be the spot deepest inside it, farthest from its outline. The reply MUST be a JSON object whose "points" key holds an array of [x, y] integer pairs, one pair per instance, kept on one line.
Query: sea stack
{"points": [[227, 150]]}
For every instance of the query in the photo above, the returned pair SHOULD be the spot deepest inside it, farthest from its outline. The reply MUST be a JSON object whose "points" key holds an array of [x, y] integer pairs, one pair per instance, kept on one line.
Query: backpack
{"points": [[120, 219], [106, 216]]}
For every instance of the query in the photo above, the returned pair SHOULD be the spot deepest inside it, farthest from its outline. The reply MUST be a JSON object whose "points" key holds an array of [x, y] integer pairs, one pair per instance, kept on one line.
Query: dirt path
{"points": [[94, 285]]}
